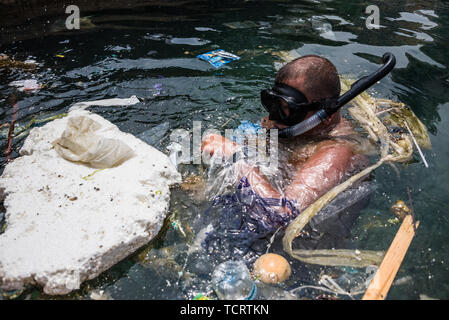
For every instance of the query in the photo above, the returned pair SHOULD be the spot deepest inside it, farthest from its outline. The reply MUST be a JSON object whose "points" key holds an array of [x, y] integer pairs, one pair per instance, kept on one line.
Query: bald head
{"points": [[313, 75]]}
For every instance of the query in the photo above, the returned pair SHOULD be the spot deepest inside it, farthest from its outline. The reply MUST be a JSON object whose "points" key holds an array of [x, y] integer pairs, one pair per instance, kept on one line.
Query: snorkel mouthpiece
{"points": [[328, 110]]}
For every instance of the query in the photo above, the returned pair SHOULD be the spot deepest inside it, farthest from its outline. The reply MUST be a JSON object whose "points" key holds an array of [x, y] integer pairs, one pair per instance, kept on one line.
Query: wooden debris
{"points": [[386, 273]]}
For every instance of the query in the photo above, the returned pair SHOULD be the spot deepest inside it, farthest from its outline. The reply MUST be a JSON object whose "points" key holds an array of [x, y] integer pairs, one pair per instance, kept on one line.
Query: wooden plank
{"points": [[386, 273]]}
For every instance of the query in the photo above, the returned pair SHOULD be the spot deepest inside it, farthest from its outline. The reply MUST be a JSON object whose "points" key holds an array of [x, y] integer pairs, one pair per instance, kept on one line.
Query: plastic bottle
{"points": [[231, 280], [356, 281]]}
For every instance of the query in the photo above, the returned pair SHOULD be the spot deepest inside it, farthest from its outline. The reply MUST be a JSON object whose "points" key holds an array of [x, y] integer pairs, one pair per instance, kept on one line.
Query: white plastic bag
{"points": [[79, 142], [105, 103]]}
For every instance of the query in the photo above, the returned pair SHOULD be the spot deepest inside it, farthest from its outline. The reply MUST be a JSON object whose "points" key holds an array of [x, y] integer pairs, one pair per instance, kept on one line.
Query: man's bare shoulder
{"points": [[337, 136], [343, 128]]}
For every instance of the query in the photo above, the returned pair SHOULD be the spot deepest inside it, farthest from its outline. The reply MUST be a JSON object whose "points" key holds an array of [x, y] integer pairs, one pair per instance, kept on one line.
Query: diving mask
{"points": [[282, 97]]}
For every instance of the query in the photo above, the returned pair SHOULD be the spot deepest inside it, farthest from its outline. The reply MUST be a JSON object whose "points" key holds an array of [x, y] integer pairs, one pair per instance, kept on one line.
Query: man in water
{"points": [[319, 165], [317, 160]]}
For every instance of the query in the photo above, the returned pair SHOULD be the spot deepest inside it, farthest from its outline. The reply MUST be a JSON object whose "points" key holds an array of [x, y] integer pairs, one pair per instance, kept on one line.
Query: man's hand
{"points": [[219, 146]]}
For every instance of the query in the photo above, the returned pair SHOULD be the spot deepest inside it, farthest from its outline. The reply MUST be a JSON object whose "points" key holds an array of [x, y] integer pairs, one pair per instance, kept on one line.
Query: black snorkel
{"points": [[356, 88]]}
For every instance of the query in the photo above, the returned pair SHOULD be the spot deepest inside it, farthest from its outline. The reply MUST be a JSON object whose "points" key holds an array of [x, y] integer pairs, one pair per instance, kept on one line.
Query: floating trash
{"points": [[13, 294], [7, 62], [155, 37], [422, 296], [400, 209], [20, 131], [403, 281], [195, 186], [100, 295], [231, 280], [105, 103], [324, 28], [26, 85], [218, 57], [79, 142], [205, 29], [158, 89], [176, 225], [245, 129], [118, 48], [188, 41], [201, 296], [174, 149], [272, 268]]}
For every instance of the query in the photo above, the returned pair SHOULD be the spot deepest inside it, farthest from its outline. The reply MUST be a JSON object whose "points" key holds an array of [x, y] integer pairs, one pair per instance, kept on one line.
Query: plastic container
{"points": [[231, 280], [354, 281]]}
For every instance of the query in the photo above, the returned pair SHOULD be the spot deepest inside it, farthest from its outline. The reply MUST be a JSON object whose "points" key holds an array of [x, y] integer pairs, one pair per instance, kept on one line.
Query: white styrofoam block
{"points": [[64, 227]]}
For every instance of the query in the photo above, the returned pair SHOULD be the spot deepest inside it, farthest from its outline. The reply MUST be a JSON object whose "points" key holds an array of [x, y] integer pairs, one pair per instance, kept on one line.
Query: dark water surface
{"points": [[150, 52]]}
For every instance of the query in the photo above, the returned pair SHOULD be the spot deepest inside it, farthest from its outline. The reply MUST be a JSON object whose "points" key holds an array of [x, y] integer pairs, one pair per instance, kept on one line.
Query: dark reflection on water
{"points": [[150, 52]]}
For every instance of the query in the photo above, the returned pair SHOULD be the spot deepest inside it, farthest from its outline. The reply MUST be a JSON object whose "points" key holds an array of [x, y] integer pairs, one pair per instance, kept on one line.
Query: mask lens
{"points": [[273, 104], [286, 104], [267, 100]]}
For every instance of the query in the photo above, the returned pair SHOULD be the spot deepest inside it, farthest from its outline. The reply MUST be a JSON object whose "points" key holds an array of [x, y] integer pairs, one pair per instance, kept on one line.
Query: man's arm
{"points": [[321, 172]]}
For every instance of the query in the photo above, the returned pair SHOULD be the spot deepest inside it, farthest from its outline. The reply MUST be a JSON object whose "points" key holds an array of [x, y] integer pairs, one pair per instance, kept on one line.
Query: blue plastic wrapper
{"points": [[245, 128], [218, 57], [249, 127]]}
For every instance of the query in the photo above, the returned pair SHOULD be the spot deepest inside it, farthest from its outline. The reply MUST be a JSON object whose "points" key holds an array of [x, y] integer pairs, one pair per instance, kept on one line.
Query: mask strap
{"points": [[291, 92]]}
